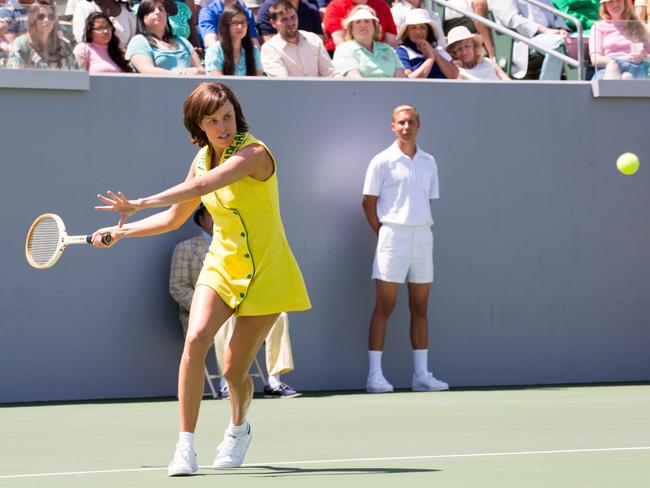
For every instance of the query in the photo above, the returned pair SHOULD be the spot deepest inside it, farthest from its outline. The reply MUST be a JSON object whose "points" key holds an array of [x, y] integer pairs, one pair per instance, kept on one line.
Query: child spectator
{"points": [[234, 53]]}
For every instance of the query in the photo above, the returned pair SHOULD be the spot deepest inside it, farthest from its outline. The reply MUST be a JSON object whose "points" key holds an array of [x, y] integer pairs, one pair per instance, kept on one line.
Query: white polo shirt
{"points": [[404, 186]]}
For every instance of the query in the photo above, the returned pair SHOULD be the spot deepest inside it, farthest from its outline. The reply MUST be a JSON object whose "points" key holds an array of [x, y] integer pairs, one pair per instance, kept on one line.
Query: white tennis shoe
{"points": [[232, 449], [378, 384], [184, 462], [427, 382]]}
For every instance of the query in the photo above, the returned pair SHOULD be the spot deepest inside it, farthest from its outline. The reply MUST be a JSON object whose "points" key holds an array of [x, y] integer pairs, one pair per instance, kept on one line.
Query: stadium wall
{"points": [[541, 246]]}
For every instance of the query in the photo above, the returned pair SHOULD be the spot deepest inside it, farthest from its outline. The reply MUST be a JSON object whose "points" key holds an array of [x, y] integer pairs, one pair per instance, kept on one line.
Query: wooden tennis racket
{"points": [[47, 238]]}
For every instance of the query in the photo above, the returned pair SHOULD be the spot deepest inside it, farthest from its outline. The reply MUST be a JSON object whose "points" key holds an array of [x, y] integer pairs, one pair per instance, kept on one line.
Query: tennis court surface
{"points": [[580, 436]]}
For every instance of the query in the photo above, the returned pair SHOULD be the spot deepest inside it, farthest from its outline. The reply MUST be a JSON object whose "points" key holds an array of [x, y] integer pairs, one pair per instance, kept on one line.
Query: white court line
{"points": [[325, 461]]}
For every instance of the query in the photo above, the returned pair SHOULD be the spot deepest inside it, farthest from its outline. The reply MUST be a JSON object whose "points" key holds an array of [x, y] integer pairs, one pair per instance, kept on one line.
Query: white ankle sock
{"points": [[374, 362], [186, 439], [238, 429], [222, 382], [274, 380], [420, 361]]}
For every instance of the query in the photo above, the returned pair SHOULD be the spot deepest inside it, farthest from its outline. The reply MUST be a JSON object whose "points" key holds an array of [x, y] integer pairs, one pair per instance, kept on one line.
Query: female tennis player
{"points": [[249, 270]]}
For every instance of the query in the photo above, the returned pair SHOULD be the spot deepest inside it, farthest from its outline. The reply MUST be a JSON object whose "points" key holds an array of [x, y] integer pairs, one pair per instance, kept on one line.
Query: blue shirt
{"points": [[171, 59], [412, 59], [209, 18], [309, 18], [214, 60]]}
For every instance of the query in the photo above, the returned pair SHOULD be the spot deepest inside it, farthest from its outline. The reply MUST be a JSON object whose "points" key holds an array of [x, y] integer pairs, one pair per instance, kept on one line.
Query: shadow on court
{"points": [[279, 472]]}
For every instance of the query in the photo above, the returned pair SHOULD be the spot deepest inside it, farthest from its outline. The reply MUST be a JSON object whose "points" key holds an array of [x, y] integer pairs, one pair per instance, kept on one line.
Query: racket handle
{"points": [[106, 239]]}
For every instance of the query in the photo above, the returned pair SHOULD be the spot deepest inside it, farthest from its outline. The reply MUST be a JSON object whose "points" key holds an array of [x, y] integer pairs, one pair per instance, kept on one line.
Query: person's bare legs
{"points": [[480, 7], [385, 298], [418, 305], [246, 341], [612, 71], [207, 313]]}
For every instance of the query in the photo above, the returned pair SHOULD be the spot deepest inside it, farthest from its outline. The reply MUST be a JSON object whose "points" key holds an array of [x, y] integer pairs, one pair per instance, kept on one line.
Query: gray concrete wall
{"points": [[540, 245]]}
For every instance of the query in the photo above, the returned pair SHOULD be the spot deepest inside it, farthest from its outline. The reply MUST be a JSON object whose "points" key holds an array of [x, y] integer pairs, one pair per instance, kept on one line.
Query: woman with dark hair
{"points": [[234, 53], [122, 18], [619, 44], [42, 47], [249, 270], [155, 49], [100, 52], [421, 47]]}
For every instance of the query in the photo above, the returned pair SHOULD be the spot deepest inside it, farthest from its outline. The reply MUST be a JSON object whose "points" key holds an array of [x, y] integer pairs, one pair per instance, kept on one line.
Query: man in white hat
{"points": [[400, 183]]}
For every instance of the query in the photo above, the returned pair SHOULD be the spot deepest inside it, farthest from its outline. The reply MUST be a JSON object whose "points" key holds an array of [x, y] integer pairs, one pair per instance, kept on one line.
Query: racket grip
{"points": [[106, 239]]}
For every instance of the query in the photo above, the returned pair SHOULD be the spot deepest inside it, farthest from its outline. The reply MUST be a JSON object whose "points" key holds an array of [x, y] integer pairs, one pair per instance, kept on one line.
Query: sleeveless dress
{"points": [[249, 264]]}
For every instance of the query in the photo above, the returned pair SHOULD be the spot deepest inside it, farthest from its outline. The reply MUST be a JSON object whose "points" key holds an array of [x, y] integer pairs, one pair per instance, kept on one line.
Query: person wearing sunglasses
{"points": [[42, 47]]}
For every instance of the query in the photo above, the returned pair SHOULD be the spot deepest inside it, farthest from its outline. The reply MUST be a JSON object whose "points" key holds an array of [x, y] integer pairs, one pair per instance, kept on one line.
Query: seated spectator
{"points": [[309, 18], [454, 19], [586, 11], [421, 50], [183, 23], [155, 49], [619, 43], [535, 23], [119, 12], [362, 55], [234, 53], [13, 23], [42, 47], [338, 10], [467, 50], [209, 20], [100, 52], [293, 52]]}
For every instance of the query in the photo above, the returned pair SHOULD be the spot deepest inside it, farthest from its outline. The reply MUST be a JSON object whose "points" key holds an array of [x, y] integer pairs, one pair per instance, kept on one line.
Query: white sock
{"points": [[274, 380], [374, 362], [420, 361], [222, 382], [238, 429], [186, 439]]}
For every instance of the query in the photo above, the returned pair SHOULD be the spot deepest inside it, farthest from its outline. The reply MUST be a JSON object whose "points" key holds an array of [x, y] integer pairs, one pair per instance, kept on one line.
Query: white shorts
{"points": [[404, 253]]}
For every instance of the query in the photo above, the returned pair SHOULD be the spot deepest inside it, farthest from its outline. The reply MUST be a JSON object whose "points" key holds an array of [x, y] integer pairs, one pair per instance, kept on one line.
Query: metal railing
{"points": [[579, 63]]}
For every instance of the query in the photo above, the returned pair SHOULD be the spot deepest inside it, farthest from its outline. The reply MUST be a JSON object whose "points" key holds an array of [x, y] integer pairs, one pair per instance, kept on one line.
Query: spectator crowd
{"points": [[321, 38]]}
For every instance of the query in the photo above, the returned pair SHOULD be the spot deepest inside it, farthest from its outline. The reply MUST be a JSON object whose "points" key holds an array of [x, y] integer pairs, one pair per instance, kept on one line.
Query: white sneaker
{"points": [[184, 462], [377, 384], [427, 382], [232, 449]]}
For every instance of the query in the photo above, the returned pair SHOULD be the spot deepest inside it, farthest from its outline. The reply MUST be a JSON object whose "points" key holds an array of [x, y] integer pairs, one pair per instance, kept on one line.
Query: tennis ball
{"points": [[627, 163]]}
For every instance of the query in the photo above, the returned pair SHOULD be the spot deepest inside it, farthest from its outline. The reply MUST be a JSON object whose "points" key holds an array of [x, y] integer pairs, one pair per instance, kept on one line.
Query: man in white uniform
{"points": [[400, 182]]}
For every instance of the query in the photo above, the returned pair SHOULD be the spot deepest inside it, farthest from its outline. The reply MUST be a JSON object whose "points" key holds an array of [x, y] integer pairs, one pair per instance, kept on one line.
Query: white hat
{"points": [[420, 16], [461, 33], [362, 13]]}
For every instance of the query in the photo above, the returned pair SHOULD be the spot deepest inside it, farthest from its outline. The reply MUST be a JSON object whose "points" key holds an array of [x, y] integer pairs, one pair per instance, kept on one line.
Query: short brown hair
{"points": [[205, 100], [280, 7]]}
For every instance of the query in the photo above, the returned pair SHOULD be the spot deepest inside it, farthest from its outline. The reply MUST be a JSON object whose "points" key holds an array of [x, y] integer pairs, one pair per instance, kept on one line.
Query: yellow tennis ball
{"points": [[627, 163]]}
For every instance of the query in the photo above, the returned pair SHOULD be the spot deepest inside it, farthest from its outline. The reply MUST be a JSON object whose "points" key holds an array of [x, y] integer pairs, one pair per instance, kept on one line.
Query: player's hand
{"points": [[115, 233], [118, 203]]}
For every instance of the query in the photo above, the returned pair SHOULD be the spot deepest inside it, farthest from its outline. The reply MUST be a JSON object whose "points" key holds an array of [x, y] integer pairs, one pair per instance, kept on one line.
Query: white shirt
{"points": [[307, 58], [404, 186], [483, 71]]}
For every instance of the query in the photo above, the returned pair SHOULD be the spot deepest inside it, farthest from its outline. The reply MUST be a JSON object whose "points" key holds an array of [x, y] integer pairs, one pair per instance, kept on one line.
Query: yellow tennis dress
{"points": [[249, 263]]}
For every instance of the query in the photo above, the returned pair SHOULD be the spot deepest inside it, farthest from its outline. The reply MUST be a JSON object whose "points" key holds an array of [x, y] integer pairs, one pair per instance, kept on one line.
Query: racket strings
{"points": [[44, 241]]}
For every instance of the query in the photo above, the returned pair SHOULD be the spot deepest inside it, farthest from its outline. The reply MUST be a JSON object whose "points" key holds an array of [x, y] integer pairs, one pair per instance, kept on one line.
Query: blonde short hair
{"points": [[405, 108], [348, 29]]}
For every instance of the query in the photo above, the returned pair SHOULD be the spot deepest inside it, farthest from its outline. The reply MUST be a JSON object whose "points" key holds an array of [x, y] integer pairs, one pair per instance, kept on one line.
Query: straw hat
{"points": [[365, 13], [461, 33], [419, 16]]}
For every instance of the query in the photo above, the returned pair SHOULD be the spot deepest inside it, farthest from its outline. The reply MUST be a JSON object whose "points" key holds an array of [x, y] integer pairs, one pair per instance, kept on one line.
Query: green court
{"points": [[556, 436]]}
